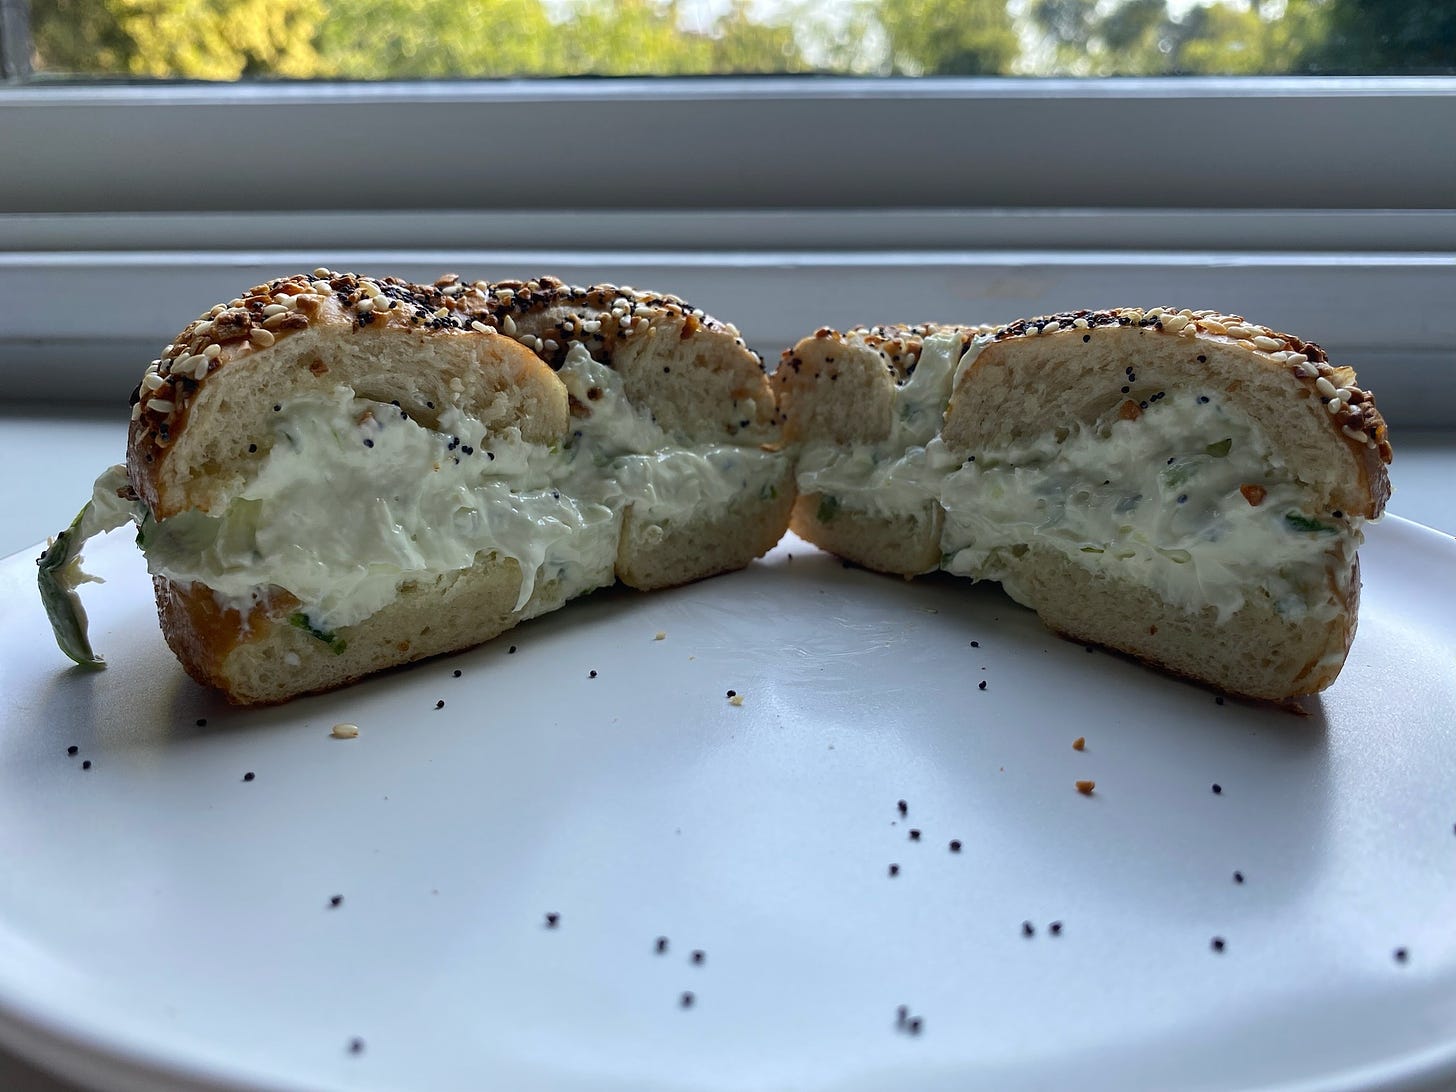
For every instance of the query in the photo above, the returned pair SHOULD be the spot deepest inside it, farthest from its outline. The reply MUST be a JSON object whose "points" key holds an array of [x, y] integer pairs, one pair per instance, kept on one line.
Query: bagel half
{"points": [[336, 474], [1185, 487]]}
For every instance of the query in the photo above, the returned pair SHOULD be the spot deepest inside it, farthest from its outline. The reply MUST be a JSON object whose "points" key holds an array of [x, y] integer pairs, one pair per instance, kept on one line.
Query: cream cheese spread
{"points": [[901, 474], [1188, 499], [355, 498]]}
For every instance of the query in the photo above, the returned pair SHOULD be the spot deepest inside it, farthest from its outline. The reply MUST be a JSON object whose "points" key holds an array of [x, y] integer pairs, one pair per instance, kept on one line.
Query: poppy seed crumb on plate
{"points": [[698, 956], [914, 1025], [73, 750], [1028, 929], [1238, 877], [902, 807], [687, 999], [981, 685], [1217, 788], [894, 870], [510, 650], [901, 1012], [1056, 928], [1401, 955], [356, 1045], [552, 920], [456, 673], [955, 845], [592, 674], [975, 644], [249, 775], [914, 835], [202, 722], [87, 765], [440, 704], [335, 901], [1217, 944], [661, 945]]}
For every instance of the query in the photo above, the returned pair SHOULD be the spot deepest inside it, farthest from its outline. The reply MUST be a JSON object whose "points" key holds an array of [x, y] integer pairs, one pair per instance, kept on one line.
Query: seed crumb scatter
{"points": [[1086, 787], [1080, 743], [661, 635]]}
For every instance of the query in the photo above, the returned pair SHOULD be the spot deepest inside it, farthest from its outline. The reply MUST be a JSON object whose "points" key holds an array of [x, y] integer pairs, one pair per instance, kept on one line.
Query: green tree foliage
{"points": [[408, 39], [201, 39], [948, 37], [431, 39], [1143, 38], [741, 45], [1416, 37]]}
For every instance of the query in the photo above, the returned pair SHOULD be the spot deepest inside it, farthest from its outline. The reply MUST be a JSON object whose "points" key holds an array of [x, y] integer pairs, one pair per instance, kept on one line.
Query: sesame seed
{"points": [[161, 405], [260, 337], [345, 731]]}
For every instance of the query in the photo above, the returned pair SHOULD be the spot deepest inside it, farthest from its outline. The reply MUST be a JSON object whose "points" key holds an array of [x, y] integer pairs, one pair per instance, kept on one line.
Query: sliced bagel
{"points": [[1185, 487], [861, 407], [338, 474]]}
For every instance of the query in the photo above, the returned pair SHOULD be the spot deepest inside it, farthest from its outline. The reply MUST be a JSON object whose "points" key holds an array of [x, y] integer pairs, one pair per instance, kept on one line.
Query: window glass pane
{"points": [[411, 39]]}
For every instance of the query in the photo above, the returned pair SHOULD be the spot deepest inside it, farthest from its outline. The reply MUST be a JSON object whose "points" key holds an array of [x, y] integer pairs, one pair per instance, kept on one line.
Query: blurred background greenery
{"points": [[413, 39]]}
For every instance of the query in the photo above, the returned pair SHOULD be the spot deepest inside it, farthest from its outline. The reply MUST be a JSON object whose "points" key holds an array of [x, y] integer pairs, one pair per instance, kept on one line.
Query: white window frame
{"points": [[1325, 206]]}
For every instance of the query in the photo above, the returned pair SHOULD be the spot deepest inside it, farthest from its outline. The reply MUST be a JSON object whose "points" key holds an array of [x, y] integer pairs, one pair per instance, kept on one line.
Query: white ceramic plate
{"points": [[166, 924]]}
